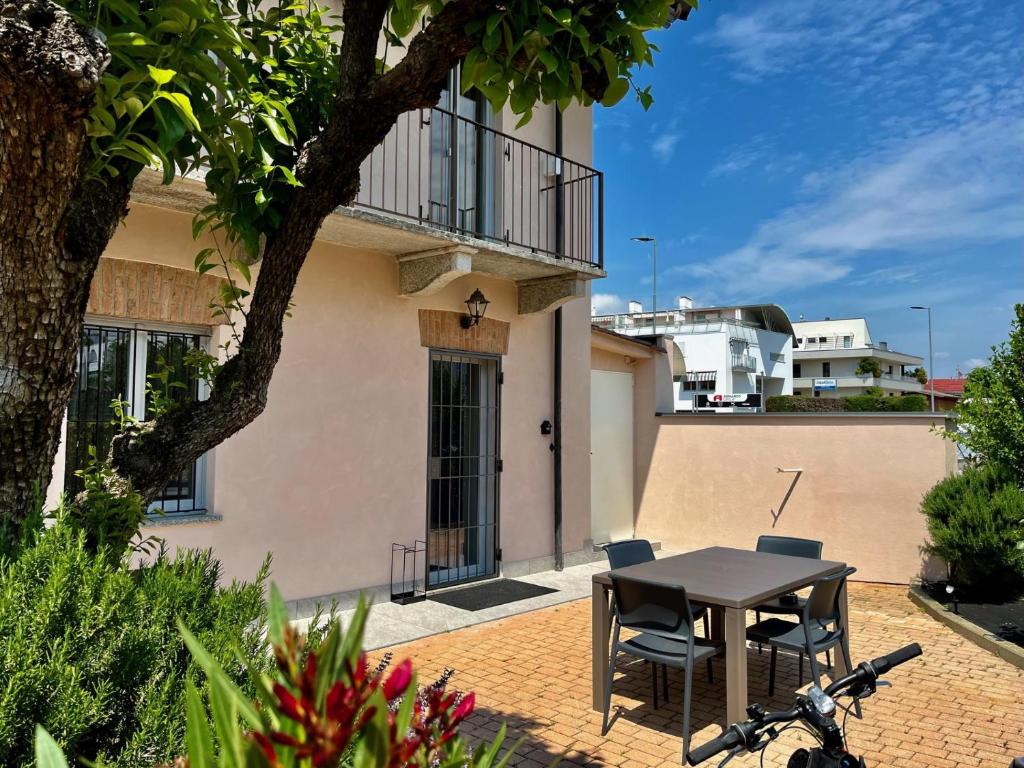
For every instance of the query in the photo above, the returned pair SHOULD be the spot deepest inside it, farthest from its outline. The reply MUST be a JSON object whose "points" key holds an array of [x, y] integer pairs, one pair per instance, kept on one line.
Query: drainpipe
{"points": [[556, 445]]}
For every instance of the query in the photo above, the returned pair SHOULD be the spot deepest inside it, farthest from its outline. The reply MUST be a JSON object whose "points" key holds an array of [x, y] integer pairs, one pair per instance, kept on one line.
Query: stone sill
{"points": [[180, 518]]}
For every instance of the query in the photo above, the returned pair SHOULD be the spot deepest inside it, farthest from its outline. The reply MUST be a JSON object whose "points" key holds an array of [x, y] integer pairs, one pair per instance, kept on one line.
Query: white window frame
{"points": [[196, 504]]}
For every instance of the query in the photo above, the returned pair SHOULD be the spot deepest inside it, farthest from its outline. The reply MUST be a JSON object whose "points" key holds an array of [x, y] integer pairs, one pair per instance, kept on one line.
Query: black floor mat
{"points": [[489, 594]]}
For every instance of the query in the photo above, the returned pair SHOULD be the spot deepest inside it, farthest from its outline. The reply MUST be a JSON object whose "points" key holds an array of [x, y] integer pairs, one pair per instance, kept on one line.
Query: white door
{"points": [[611, 456]]}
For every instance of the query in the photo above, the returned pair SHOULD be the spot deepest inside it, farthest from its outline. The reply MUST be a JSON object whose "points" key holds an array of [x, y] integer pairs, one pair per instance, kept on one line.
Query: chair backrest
{"points": [[629, 552], [789, 545], [823, 602], [650, 606]]}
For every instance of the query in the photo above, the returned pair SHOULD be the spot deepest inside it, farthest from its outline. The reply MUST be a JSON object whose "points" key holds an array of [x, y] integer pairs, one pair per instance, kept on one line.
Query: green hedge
{"points": [[91, 651], [856, 404]]}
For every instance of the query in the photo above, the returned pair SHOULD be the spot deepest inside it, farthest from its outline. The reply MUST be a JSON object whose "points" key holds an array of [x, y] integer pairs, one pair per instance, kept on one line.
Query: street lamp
{"points": [[931, 359], [654, 277]]}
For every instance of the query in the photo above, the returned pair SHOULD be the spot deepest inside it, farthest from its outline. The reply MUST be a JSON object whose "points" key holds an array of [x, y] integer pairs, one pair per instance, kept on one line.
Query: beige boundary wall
{"points": [[703, 480]]}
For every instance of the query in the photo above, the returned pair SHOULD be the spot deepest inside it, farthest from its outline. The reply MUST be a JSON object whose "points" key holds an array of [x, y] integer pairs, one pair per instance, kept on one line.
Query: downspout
{"points": [[556, 445]]}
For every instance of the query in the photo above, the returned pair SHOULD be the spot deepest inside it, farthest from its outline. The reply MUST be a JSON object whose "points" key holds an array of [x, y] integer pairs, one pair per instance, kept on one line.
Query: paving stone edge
{"points": [[980, 637]]}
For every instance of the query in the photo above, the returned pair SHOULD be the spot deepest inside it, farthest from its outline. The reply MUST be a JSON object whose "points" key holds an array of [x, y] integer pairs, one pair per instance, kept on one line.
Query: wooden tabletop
{"points": [[731, 578]]}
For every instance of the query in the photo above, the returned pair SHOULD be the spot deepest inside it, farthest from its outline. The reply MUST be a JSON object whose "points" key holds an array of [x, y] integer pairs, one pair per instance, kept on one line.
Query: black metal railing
{"points": [[450, 172]]}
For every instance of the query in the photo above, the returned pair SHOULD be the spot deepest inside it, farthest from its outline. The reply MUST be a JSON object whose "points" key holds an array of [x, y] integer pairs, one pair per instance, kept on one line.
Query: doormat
{"points": [[490, 594]]}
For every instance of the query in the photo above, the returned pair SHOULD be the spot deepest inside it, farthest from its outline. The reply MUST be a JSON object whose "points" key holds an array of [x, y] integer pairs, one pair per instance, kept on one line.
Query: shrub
{"points": [[976, 524], [913, 403], [92, 652], [795, 404], [324, 708], [869, 366]]}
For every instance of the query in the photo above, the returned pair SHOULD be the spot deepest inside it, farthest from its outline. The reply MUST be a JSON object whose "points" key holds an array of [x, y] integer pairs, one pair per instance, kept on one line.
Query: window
{"points": [[847, 342], [822, 339], [890, 370], [797, 392], [796, 371], [116, 363], [777, 357], [817, 393], [826, 369], [699, 381], [799, 341]]}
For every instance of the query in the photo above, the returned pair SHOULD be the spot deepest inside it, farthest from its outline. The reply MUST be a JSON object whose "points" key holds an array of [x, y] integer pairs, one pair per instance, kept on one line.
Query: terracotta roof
{"points": [[950, 386]]}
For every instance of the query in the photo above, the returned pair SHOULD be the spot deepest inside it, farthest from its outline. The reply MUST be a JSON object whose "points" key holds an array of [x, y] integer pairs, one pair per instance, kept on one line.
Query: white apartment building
{"points": [[828, 353], [723, 358]]}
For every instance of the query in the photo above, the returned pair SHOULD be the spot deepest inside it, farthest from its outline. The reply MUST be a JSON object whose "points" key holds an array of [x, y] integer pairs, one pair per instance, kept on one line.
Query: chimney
{"points": [[685, 302], [883, 345], [635, 306]]}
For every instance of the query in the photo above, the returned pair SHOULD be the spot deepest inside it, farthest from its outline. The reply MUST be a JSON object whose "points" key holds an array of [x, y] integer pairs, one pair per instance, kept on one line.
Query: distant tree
{"points": [[990, 415], [920, 374], [869, 366]]}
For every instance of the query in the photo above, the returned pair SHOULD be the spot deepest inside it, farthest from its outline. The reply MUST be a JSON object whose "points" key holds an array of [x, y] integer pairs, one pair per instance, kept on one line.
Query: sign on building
{"points": [[747, 400], [821, 384]]}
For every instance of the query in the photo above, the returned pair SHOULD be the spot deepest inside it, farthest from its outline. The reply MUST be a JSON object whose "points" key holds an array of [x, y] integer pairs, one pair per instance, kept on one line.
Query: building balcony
{"points": [[448, 196], [747, 363], [907, 384]]}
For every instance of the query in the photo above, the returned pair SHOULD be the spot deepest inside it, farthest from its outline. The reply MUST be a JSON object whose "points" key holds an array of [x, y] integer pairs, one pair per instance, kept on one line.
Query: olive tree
{"points": [[279, 104]]}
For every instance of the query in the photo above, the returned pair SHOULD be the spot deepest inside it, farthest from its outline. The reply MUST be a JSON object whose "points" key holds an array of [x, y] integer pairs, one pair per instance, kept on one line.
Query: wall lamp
{"points": [[477, 305]]}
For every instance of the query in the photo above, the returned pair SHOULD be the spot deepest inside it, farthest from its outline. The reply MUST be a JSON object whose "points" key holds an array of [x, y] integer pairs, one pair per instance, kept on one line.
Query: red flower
{"points": [[290, 707], [464, 709], [398, 681]]}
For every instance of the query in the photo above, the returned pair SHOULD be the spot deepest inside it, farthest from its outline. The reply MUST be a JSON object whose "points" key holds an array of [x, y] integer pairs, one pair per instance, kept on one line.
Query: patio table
{"points": [[730, 582]]}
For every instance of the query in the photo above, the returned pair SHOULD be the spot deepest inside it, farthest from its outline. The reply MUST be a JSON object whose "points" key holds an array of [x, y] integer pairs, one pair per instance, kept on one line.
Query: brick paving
{"points": [[956, 706]]}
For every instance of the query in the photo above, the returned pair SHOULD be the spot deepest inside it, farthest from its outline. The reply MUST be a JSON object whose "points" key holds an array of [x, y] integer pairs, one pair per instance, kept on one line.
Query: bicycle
{"points": [[814, 713]]}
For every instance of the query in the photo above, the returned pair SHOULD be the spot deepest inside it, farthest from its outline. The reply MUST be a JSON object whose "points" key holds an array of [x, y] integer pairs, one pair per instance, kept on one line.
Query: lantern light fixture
{"points": [[477, 306]]}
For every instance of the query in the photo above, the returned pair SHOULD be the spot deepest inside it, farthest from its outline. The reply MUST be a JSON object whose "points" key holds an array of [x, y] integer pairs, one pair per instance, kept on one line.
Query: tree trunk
{"points": [[52, 231]]}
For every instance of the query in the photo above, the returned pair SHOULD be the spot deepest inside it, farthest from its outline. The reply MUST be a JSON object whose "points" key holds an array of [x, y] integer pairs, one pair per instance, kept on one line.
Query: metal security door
{"points": [[463, 467]]}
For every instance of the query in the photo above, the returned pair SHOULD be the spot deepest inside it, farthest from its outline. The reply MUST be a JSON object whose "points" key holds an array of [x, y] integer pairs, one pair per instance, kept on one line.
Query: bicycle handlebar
{"points": [[868, 672], [742, 734]]}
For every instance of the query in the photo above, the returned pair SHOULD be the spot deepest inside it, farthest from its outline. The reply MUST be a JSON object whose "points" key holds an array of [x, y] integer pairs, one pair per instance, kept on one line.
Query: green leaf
{"points": [[614, 93], [48, 754], [182, 105], [216, 673], [276, 128], [160, 76], [197, 730], [277, 616]]}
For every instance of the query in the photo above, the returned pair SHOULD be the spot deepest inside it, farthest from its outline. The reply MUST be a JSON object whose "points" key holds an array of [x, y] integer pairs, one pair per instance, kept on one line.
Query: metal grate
{"points": [[113, 363], [462, 503]]}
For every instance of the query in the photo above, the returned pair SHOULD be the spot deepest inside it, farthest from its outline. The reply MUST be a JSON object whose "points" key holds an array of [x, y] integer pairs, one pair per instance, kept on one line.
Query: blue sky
{"points": [[837, 158]]}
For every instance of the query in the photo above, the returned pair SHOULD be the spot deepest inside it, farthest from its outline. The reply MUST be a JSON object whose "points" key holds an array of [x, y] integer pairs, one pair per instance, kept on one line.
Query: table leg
{"points": [[717, 624], [601, 627], [735, 664], [838, 658]]}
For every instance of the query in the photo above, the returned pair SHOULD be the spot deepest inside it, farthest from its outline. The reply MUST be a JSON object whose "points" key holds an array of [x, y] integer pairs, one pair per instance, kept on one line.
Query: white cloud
{"points": [[930, 194], [760, 153], [664, 145], [606, 304], [973, 362], [942, 355]]}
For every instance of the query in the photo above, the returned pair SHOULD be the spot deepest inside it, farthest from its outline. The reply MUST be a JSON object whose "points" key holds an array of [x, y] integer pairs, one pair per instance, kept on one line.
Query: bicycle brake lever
{"points": [[883, 683], [735, 751]]}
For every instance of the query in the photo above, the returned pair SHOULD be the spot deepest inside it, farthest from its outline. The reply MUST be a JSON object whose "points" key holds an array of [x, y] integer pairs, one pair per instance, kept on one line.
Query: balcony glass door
{"points": [[462, 162], [462, 484]]}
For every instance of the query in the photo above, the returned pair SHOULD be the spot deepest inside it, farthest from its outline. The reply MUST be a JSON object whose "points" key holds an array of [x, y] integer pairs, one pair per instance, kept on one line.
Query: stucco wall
{"points": [[334, 470], [713, 480]]}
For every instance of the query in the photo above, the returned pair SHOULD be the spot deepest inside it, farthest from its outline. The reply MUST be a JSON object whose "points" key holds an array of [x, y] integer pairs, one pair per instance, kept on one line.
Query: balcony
{"points": [[746, 363], [448, 196]]}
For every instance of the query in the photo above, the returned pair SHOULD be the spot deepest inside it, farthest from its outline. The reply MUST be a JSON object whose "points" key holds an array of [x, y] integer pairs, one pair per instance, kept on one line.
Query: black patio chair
{"points": [[633, 552], [663, 618], [817, 631], [794, 547]]}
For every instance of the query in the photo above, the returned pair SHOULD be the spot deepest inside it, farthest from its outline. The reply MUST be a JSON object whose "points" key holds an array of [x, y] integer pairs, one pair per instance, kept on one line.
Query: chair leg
{"points": [[812, 657], [828, 658], [771, 671], [707, 625], [686, 708], [711, 671], [608, 682], [757, 617], [654, 682], [664, 681], [800, 671]]}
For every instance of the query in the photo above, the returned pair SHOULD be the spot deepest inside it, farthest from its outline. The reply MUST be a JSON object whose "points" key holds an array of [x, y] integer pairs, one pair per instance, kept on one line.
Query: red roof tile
{"points": [[953, 386]]}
